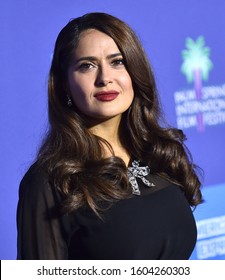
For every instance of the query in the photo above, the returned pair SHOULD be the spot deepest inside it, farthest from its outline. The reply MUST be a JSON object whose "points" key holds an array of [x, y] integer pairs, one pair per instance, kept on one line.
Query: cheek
{"points": [[78, 88], [125, 79], [127, 84]]}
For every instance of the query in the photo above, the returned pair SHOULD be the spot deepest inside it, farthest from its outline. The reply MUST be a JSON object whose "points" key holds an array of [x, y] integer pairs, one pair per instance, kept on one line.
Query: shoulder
{"points": [[36, 192], [35, 181]]}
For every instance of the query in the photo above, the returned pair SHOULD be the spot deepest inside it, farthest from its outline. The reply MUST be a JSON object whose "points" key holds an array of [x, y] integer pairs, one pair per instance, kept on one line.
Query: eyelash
{"points": [[87, 65], [118, 61]]}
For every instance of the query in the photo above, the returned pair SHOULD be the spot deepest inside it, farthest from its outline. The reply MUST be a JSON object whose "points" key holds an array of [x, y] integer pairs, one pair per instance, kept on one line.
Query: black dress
{"points": [[156, 224]]}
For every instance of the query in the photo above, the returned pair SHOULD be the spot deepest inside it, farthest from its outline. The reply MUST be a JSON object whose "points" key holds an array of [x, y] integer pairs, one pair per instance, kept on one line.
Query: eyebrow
{"points": [[93, 58]]}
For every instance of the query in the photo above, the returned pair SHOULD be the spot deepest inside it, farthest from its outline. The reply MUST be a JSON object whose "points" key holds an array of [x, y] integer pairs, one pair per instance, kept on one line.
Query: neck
{"points": [[109, 130]]}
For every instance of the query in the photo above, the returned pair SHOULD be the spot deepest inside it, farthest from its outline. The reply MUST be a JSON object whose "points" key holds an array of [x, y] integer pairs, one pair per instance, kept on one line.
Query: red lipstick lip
{"points": [[106, 95]]}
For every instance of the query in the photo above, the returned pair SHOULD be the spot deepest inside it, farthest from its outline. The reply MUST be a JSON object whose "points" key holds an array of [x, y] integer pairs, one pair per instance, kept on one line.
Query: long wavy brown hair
{"points": [[74, 156]]}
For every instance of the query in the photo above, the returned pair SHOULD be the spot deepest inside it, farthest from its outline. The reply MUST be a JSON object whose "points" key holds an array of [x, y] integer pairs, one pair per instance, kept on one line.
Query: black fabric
{"points": [[158, 224]]}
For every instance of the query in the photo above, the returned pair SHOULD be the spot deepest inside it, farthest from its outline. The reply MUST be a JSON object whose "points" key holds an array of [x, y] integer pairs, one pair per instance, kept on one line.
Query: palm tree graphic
{"points": [[196, 66]]}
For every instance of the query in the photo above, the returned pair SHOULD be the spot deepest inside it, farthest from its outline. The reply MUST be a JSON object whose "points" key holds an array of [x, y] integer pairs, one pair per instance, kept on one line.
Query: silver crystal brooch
{"points": [[138, 172]]}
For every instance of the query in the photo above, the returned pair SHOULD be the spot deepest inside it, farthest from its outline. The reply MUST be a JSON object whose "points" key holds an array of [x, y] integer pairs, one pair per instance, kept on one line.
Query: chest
{"points": [[143, 227]]}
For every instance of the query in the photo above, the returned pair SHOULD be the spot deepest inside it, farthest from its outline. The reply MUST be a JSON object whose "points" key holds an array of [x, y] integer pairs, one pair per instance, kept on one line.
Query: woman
{"points": [[110, 182]]}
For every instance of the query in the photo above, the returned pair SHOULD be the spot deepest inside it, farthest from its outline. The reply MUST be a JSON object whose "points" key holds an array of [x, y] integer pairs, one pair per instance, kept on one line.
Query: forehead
{"points": [[93, 40]]}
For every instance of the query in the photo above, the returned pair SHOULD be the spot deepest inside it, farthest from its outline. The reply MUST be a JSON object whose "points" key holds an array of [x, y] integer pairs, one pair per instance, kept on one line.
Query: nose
{"points": [[104, 76]]}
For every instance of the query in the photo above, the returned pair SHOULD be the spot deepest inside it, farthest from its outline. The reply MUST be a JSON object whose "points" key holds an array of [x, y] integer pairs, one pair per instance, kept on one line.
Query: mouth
{"points": [[106, 96]]}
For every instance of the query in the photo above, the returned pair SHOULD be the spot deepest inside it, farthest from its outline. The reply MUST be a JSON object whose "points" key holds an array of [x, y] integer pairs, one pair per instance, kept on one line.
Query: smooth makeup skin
{"points": [[99, 83]]}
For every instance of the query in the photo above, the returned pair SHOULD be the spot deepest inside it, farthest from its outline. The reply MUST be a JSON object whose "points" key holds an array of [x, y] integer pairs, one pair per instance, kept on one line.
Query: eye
{"points": [[118, 62], [85, 66]]}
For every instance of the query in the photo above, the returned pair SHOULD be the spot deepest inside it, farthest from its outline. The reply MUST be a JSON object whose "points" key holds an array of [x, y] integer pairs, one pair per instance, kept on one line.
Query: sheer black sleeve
{"points": [[42, 232]]}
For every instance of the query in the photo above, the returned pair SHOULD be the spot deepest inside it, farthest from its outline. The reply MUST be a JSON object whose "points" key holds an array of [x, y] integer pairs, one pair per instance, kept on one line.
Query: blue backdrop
{"points": [[28, 31]]}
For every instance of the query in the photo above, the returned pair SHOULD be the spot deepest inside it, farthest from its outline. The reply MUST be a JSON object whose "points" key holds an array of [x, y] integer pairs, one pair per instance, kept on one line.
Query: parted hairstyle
{"points": [[74, 156]]}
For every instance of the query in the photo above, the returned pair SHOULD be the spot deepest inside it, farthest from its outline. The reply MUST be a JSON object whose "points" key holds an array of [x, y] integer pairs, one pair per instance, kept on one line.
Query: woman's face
{"points": [[99, 83]]}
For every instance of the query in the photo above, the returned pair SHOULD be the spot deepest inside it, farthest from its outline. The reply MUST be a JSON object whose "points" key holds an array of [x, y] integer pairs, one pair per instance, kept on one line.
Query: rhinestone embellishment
{"points": [[138, 172]]}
